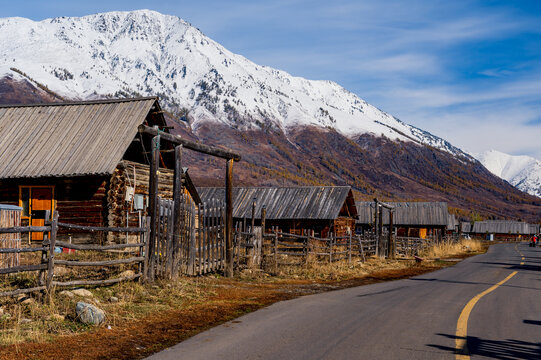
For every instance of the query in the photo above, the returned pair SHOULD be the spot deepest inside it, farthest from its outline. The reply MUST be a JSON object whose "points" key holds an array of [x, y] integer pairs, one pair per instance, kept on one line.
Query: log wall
{"points": [[79, 200], [121, 212]]}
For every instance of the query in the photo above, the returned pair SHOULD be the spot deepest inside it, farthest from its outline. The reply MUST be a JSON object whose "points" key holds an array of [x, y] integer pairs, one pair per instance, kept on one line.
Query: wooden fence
{"points": [[47, 265], [10, 217], [196, 248], [286, 249]]}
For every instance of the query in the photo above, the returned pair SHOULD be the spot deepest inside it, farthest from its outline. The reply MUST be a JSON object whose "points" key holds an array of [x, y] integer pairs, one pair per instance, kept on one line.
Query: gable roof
{"points": [[281, 203], [68, 139], [407, 213], [504, 227]]}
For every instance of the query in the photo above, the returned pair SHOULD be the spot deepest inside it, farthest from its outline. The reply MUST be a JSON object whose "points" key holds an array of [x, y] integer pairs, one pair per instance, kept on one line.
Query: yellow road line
{"points": [[461, 344]]}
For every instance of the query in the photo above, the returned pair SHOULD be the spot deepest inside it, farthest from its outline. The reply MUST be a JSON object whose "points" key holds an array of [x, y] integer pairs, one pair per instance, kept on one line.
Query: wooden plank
{"points": [[50, 262], [96, 247], [23, 250], [229, 218], [23, 268], [177, 195], [202, 234], [102, 228], [205, 149], [153, 206], [100, 263], [21, 291], [18, 229], [96, 282], [146, 261]]}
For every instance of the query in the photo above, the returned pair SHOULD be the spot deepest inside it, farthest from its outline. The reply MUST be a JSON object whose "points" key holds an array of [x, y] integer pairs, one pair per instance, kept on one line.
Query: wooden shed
{"points": [[321, 209], [85, 160], [503, 230], [415, 219]]}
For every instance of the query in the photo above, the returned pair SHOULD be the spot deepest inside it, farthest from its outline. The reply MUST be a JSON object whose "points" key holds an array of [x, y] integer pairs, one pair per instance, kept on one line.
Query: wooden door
{"points": [[41, 199]]}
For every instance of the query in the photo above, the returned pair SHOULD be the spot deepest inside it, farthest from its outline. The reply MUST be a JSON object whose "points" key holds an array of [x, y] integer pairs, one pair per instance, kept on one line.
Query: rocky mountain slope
{"points": [[147, 53], [523, 172], [289, 130]]}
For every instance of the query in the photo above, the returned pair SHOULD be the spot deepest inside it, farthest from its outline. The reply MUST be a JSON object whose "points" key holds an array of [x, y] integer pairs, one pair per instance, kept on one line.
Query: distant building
{"points": [[321, 209], [415, 219], [502, 229]]}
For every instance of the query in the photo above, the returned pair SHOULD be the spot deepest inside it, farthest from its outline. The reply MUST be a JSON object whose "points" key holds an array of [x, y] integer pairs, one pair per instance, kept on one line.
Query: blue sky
{"points": [[468, 71]]}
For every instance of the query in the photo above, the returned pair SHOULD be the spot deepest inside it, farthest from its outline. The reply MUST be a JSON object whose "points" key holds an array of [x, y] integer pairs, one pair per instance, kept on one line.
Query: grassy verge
{"points": [[143, 319]]}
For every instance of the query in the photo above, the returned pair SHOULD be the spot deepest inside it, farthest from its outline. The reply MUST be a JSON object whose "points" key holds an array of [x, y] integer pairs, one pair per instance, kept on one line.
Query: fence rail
{"points": [[48, 262], [294, 249]]}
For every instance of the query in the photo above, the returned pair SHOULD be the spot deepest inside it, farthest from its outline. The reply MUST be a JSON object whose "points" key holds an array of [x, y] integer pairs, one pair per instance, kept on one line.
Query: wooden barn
{"points": [[414, 219], [503, 230], [453, 225], [321, 209], [86, 160]]}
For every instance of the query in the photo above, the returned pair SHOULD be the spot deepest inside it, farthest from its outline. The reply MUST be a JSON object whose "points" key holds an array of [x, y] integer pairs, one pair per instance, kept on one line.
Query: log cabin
{"points": [[506, 230], [318, 209], [412, 219], [87, 160]]}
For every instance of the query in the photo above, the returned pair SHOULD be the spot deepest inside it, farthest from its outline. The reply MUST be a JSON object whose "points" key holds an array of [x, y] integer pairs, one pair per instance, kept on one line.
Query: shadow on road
{"points": [[514, 266], [471, 283], [532, 322], [503, 349]]}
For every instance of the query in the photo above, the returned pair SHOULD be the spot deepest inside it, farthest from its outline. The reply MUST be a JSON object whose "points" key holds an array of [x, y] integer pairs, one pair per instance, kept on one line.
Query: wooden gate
{"points": [[209, 249], [198, 247]]}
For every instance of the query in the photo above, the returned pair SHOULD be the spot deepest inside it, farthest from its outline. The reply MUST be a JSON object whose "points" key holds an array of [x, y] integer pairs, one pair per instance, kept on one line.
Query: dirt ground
{"points": [[224, 299]]}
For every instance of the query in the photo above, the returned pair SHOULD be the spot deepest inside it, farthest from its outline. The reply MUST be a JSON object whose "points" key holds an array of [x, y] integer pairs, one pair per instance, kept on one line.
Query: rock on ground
{"points": [[67, 293], [89, 314], [82, 293]]}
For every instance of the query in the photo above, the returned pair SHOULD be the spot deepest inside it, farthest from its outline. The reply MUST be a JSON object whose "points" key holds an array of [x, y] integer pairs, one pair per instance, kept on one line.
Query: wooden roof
{"points": [[68, 139], [407, 213], [452, 222], [281, 203], [504, 227]]}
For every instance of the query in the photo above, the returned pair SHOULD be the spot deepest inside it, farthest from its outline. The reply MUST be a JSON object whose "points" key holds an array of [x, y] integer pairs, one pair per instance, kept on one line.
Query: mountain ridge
{"points": [[290, 131], [197, 78], [523, 172]]}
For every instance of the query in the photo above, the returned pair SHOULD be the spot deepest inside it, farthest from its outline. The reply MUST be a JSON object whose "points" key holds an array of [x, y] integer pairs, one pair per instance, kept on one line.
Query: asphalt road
{"points": [[407, 319]]}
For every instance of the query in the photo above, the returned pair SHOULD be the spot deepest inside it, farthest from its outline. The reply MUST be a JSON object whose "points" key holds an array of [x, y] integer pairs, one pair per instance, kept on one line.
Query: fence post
{"points": [[362, 249], [263, 219], [381, 251], [392, 245], [146, 240], [330, 248], [275, 252], [229, 218], [177, 213], [349, 248], [45, 243], [50, 265], [153, 205]]}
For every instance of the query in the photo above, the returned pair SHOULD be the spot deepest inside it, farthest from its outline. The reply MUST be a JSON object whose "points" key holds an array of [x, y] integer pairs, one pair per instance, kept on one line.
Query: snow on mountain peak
{"points": [[141, 53], [523, 172]]}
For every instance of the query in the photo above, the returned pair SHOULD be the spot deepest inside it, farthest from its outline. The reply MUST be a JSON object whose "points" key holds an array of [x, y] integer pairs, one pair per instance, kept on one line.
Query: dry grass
{"points": [[449, 250]]}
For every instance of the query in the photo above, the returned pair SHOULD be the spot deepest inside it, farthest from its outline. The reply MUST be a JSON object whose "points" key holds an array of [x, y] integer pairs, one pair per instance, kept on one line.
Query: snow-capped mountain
{"points": [[147, 53], [523, 172]]}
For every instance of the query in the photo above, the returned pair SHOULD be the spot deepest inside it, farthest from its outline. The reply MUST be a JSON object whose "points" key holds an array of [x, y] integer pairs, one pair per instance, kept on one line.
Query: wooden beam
{"points": [[392, 245], [205, 149], [229, 218], [177, 192], [153, 206]]}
